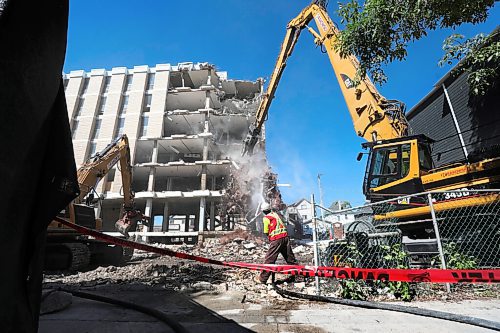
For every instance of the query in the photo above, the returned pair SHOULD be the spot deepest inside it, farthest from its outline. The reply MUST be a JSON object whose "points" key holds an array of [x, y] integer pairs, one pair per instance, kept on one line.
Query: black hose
{"points": [[172, 323], [493, 325]]}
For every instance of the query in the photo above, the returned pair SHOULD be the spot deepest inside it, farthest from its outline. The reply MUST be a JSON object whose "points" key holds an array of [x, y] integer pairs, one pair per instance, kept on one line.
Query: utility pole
{"points": [[320, 196]]}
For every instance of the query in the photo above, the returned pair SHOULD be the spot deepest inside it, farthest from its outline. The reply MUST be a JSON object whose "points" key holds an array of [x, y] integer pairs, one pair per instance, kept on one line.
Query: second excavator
{"points": [[67, 249]]}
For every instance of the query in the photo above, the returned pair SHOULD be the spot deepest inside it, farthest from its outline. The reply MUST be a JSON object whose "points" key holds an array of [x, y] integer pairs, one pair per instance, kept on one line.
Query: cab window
{"points": [[424, 157], [390, 164], [405, 160]]}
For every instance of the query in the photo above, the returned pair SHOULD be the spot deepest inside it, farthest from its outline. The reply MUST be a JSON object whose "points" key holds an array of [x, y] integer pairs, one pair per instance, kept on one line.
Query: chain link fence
{"points": [[453, 229]]}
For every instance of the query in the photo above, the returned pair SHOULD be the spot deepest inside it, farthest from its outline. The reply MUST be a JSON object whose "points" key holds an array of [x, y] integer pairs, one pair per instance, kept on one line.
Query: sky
{"points": [[309, 130]]}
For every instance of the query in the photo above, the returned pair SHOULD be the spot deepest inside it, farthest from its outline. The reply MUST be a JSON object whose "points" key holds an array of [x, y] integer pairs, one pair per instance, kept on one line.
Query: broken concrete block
{"points": [[299, 249], [300, 285], [202, 285], [249, 246]]}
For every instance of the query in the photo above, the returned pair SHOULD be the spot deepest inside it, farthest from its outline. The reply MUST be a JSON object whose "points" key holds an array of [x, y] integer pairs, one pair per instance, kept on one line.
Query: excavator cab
{"points": [[395, 166]]}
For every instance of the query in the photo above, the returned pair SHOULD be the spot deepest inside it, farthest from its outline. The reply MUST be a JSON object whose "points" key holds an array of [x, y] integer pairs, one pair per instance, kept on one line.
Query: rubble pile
{"points": [[188, 276], [191, 277], [272, 193], [252, 183]]}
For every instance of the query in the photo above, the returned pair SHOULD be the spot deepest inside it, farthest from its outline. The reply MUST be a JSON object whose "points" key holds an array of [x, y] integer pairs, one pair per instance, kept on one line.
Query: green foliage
{"points": [[395, 256], [339, 205], [353, 289], [379, 31], [481, 60], [456, 259], [402, 290], [354, 255]]}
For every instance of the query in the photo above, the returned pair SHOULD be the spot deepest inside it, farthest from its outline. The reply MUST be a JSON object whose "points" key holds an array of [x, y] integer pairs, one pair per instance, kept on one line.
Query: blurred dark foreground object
{"points": [[37, 168]]}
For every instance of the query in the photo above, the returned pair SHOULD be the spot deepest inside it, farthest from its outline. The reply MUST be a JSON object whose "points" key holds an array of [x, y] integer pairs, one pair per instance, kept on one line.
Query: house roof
{"points": [[295, 204]]}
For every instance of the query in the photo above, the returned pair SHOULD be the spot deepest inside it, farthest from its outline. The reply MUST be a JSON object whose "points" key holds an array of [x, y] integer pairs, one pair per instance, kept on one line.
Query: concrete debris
{"points": [[238, 240], [187, 277], [237, 234], [300, 285], [250, 185], [299, 249], [237, 106], [249, 246], [203, 286]]}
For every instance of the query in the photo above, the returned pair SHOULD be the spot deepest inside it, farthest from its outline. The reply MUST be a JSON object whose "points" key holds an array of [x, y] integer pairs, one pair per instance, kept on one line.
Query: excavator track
{"points": [[128, 253], [67, 256], [104, 254]]}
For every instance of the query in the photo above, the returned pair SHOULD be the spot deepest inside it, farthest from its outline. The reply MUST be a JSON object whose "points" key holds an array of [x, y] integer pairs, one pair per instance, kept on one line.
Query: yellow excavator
{"points": [[399, 163], [67, 249]]}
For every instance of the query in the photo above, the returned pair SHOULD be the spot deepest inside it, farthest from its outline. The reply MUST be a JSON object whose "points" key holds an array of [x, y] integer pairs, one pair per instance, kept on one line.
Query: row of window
{"points": [[121, 113], [123, 104], [107, 81], [118, 130]]}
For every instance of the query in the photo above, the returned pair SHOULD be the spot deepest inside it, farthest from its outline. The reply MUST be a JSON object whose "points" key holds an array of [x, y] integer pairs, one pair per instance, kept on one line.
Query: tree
{"points": [[379, 32], [480, 57], [340, 205]]}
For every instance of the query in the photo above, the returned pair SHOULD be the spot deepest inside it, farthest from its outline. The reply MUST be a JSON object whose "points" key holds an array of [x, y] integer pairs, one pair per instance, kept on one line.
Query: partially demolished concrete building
{"points": [[185, 126]]}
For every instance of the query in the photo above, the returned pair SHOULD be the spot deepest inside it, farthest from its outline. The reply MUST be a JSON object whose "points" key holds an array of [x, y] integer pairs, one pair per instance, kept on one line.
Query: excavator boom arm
{"points": [[91, 172], [374, 117]]}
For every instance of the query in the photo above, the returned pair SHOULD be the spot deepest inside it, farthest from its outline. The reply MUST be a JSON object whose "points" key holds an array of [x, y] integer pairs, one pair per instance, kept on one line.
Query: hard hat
{"points": [[265, 206]]}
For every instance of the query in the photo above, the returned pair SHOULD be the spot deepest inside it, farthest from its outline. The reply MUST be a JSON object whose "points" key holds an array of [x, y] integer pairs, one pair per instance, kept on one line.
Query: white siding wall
{"points": [[87, 117], [113, 99], [72, 91], [133, 115], [155, 126]]}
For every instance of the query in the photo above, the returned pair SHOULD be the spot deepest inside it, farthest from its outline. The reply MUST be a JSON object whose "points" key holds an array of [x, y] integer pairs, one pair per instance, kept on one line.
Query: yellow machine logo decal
{"points": [[321, 22], [347, 81], [113, 161]]}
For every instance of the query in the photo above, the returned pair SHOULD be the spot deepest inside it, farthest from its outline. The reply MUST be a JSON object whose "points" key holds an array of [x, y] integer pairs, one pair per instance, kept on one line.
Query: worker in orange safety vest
{"points": [[279, 242]]}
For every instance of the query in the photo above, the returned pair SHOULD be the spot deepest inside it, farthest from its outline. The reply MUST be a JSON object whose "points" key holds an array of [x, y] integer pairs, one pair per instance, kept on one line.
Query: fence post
{"points": [[438, 237], [315, 241]]}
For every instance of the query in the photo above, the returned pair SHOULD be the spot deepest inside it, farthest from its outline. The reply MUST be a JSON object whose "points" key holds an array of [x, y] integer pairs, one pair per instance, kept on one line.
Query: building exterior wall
{"points": [[477, 120], [304, 209], [182, 123]]}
